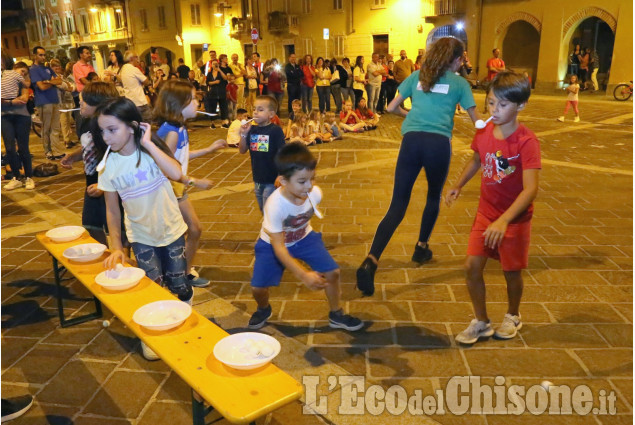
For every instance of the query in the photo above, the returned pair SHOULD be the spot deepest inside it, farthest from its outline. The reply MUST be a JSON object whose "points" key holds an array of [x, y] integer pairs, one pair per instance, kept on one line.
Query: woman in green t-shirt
{"points": [[434, 91]]}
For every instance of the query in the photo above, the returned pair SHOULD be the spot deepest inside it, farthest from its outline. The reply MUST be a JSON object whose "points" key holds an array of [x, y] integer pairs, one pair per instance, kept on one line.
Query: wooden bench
{"points": [[240, 396]]}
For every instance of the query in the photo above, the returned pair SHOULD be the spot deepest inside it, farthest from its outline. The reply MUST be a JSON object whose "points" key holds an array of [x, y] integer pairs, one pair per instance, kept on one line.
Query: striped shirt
{"points": [[12, 82]]}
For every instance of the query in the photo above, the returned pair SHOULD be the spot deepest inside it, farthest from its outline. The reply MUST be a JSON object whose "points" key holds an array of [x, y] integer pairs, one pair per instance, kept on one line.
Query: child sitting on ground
{"points": [[299, 129], [286, 236], [233, 133], [508, 154], [296, 107], [349, 121], [366, 115], [330, 129]]}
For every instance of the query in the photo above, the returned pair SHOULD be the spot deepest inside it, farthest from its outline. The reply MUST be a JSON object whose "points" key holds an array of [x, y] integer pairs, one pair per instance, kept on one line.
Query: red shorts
{"points": [[513, 252]]}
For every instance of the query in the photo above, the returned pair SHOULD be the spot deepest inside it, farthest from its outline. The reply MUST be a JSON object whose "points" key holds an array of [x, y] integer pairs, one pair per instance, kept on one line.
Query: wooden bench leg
{"points": [[199, 411], [60, 302]]}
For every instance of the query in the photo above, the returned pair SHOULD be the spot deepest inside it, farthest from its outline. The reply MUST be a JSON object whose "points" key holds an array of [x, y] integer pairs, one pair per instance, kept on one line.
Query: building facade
{"points": [[535, 36]]}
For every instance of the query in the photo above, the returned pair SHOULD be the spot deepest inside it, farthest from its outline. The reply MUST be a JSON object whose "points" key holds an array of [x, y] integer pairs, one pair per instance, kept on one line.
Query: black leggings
{"points": [[419, 149]]}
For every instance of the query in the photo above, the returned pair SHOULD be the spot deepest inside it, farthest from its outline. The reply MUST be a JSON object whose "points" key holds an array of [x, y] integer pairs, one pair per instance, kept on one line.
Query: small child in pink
{"points": [[572, 99]]}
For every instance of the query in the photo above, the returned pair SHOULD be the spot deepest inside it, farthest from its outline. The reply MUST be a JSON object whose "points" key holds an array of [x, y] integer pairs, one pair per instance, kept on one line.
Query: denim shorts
{"points": [[166, 266], [263, 191], [268, 269]]}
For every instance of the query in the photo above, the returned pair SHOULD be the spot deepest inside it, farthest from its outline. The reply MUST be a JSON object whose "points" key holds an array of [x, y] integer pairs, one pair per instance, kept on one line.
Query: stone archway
{"points": [[518, 16], [520, 48], [571, 23], [446, 31]]}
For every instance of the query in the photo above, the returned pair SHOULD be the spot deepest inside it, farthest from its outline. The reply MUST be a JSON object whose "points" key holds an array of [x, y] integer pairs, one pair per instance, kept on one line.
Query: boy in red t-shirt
{"points": [[232, 95], [508, 155]]}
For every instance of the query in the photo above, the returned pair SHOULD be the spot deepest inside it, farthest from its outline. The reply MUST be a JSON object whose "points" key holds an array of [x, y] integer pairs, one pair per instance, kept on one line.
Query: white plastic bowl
{"points": [[65, 233], [116, 280], [244, 350], [84, 252], [162, 315]]}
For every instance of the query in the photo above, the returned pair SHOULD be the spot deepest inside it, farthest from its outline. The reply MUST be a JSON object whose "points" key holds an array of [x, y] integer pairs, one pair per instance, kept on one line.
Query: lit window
{"points": [[306, 6], [161, 10], [339, 45], [378, 4], [119, 19], [195, 10], [144, 19]]}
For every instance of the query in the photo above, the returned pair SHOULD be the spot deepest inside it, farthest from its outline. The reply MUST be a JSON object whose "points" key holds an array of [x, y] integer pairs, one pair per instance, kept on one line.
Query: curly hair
{"points": [[438, 59]]}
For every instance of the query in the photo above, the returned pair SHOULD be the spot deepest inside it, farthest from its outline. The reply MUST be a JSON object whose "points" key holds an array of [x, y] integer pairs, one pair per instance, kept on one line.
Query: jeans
{"points": [[336, 91], [381, 103], [50, 116], [16, 128], [324, 98], [347, 93], [166, 266], [419, 149], [373, 96], [307, 98], [263, 191], [278, 97], [293, 93]]}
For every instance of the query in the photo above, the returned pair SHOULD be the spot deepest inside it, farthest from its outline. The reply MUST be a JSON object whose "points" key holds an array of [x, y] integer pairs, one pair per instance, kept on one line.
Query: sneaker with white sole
{"points": [[195, 280], [13, 184], [15, 407], [477, 329], [561, 119], [339, 320], [29, 184], [259, 318], [576, 119], [509, 328], [147, 352]]}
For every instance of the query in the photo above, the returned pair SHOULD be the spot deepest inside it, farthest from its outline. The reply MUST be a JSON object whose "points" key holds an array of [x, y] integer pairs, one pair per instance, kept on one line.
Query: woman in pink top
{"points": [[308, 83]]}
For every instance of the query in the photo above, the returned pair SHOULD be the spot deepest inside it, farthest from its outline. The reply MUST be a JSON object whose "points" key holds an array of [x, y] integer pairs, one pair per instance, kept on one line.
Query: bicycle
{"points": [[623, 91]]}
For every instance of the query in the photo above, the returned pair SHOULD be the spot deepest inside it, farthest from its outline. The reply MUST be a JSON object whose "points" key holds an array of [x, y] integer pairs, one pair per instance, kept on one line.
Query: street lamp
{"points": [[459, 26], [220, 9]]}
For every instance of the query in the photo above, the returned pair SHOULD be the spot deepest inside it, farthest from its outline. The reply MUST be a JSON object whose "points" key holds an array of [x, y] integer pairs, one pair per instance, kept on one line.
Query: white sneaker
{"points": [[561, 119], [29, 184], [509, 328], [147, 352], [576, 119], [476, 330], [13, 184]]}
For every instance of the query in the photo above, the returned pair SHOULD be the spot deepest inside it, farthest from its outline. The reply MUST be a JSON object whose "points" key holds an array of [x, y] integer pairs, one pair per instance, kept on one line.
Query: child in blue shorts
{"points": [[286, 235]]}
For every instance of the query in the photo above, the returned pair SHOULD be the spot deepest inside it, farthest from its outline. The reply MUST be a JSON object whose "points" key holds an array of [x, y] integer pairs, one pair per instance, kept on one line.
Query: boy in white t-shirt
{"points": [[233, 133], [286, 234]]}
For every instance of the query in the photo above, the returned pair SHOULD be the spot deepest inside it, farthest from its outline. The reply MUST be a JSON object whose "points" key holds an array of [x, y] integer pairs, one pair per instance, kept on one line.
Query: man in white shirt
{"points": [[133, 82], [374, 71]]}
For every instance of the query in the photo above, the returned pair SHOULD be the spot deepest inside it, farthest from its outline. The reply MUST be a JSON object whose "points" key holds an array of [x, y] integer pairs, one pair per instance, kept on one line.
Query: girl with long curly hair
{"points": [[434, 91]]}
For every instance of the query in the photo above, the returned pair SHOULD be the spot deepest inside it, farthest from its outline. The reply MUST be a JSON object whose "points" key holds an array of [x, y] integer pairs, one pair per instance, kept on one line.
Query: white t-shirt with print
{"points": [[151, 211], [281, 215], [573, 96]]}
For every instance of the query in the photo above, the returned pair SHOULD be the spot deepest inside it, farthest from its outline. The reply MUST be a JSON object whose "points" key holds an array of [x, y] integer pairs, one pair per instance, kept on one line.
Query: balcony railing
{"points": [[239, 27], [448, 7], [283, 23]]}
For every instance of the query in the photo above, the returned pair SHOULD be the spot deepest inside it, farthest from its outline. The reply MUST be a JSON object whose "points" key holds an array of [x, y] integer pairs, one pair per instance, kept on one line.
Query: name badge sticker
{"points": [[440, 88], [419, 86]]}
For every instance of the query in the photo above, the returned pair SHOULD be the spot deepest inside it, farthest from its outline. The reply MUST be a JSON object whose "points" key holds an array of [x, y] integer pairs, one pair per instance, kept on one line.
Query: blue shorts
{"points": [[268, 269]]}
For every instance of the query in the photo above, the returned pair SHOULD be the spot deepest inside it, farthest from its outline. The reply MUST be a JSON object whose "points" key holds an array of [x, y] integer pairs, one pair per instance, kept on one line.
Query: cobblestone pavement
{"points": [[577, 306]]}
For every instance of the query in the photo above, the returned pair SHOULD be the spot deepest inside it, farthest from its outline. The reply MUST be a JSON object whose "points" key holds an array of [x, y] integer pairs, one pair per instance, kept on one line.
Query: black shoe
{"points": [[225, 125], [366, 277], [339, 320], [15, 407], [259, 318], [421, 255], [212, 126]]}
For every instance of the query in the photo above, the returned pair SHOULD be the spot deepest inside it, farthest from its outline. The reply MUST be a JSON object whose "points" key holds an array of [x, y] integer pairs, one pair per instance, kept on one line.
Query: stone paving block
{"points": [[569, 277], [292, 414], [618, 335], [45, 414], [614, 294], [136, 362], [626, 309], [510, 362], [583, 313], [286, 291], [161, 413], [297, 330], [393, 362], [442, 311], [608, 362], [420, 292], [625, 387], [349, 292], [112, 344], [529, 419], [563, 336], [76, 383], [113, 398], [175, 389], [380, 310], [430, 335], [14, 348], [40, 365], [352, 359], [92, 420], [373, 333], [304, 310], [76, 335]]}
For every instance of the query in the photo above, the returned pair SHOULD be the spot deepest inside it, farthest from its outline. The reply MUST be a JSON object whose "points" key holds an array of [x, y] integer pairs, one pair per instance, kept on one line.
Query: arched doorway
{"points": [[596, 34], [446, 31], [521, 46], [162, 53]]}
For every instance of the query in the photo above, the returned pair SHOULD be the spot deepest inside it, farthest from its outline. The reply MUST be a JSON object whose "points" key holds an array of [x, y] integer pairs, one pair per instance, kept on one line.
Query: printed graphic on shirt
{"points": [[259, 143], [497, 167], [138, 183], [294, 227]]}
